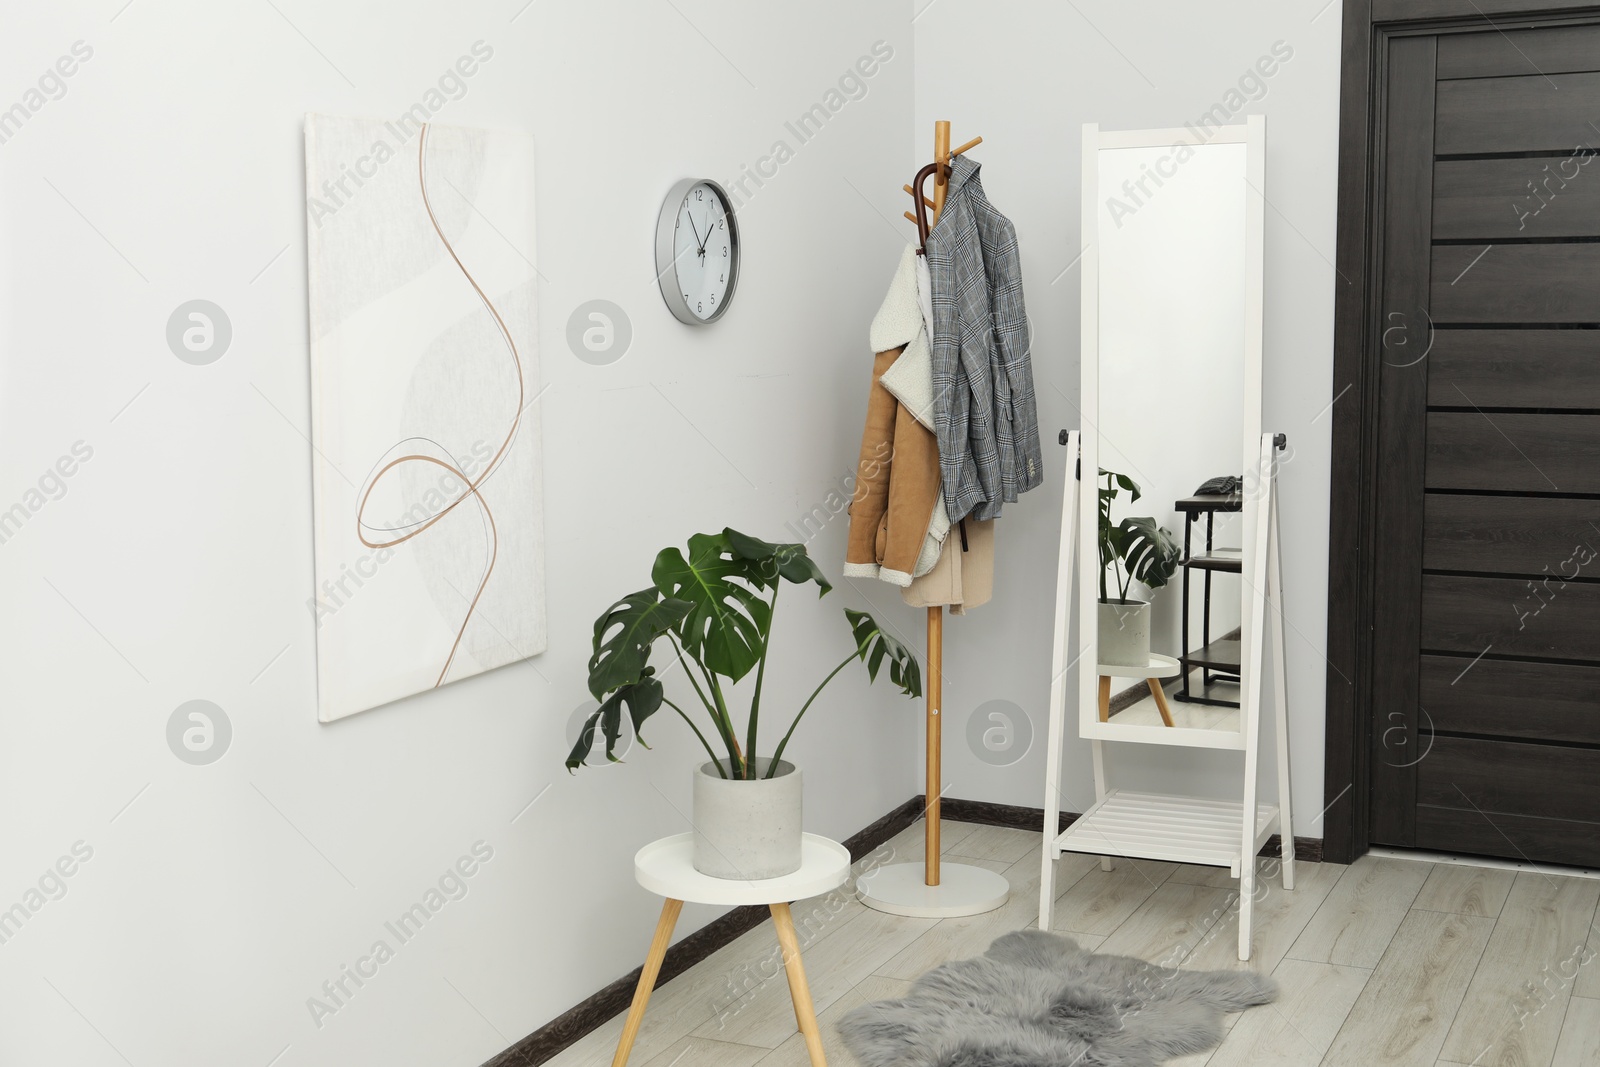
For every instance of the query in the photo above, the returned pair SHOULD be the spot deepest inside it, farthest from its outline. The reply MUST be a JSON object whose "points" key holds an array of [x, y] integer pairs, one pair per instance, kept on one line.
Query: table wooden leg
{"points": [[1105, 698], [647, 979], [1161, 699], [805, 1012]]}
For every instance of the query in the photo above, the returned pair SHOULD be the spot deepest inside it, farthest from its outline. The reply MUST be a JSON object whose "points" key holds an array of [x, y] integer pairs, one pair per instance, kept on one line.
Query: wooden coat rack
{"points": [[933, 889]]}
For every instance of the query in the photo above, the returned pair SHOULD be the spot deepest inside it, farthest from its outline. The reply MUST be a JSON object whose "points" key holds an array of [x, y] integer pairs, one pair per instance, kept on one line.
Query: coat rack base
{"points": [[902, 889]]}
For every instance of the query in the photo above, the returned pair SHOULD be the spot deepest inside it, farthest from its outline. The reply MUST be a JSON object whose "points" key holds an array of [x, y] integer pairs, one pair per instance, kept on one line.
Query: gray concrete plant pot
{"points": [[1125, 633], [747, 829]]}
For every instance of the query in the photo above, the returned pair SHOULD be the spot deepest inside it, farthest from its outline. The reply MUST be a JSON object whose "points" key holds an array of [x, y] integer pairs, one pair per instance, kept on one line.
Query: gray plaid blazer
{"points": [[984, 409]]}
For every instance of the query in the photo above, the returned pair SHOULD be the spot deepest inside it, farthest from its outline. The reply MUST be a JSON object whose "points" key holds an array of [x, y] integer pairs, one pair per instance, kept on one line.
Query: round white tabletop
{"points": [[666, 868], [1159, 667]]}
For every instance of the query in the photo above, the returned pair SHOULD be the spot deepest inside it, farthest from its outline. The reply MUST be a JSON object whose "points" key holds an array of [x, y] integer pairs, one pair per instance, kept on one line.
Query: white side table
{"points": [[666, 868], [1159, 667]]}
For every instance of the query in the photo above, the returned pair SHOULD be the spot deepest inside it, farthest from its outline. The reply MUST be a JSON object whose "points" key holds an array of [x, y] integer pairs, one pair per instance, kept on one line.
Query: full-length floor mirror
{"points": [[1171, 371], [1171, 518]]}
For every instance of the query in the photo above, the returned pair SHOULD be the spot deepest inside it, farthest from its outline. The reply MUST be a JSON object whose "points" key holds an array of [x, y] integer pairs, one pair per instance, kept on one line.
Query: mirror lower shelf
{"points": [[1177, 829]]}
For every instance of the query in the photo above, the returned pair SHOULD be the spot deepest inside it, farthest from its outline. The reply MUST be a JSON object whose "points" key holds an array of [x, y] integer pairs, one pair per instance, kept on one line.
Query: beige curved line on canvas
{"points": [[471, 485]]}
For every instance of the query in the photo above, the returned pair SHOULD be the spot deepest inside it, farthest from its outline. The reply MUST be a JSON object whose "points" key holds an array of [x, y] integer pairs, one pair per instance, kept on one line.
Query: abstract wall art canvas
{"points": [[426, 454]]}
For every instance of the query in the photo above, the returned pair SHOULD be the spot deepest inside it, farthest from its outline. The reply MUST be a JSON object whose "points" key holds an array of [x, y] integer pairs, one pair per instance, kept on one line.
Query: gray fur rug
{"points": [[1036, 999]]}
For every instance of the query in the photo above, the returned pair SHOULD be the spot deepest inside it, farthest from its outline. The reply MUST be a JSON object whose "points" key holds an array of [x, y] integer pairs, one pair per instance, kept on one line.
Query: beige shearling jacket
{"points": [[897, 518]]}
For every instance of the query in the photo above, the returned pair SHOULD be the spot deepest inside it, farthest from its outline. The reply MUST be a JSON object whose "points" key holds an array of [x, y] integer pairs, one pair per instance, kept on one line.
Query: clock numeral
{"points": [[699, 194]]}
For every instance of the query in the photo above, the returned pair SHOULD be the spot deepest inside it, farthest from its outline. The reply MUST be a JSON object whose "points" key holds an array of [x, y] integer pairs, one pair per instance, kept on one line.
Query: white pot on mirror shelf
{"points": [[747, 828], [1125, 632]]}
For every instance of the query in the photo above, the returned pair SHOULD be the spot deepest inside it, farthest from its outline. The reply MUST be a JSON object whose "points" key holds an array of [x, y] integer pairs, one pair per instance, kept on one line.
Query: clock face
{"points": [[703, 249]]}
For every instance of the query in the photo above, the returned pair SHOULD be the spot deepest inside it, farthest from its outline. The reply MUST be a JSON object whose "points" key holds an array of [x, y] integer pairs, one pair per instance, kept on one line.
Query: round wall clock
{"points": [[697, 251]]}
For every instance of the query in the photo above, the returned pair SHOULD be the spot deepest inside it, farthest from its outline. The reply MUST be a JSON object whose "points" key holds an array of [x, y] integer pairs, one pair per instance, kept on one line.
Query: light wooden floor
{"points": [[1386, 961], [1143, 712]]}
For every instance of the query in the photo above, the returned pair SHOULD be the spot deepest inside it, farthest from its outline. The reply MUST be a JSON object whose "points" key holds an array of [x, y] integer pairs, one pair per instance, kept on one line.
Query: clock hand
{"points": [[696, 233], [708, 232]]}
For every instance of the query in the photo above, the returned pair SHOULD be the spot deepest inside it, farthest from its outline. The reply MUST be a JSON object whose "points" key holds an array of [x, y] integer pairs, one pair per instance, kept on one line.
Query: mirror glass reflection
{"points": [[1172, 311]]}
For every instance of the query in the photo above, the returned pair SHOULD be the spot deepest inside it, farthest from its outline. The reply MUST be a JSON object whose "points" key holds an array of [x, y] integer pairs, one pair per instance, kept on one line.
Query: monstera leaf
{"points": [[873, 646], [642, 699], [1148, 552], [623, 635], [788, 561], [1139, 547], [1108, 493], [726, 626]]}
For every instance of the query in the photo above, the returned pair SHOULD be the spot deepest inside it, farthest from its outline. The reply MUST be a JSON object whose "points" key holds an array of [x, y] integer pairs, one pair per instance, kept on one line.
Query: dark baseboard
{"points": [[565, 1029], [1032, 819], [1305, 848], [985, 813], [864, 842]]}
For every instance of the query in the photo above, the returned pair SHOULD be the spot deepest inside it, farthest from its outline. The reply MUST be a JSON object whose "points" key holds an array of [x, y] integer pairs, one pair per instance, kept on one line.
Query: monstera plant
{"points": [[1135, 549], [713, 610]]}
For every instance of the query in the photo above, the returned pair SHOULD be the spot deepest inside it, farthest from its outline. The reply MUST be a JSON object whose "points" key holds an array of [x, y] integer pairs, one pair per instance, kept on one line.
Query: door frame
{"points": [[1369, 26]]}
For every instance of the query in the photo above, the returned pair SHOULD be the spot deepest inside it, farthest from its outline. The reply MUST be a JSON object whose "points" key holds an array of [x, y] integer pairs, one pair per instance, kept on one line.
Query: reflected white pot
{"points": [[1125, 633], [747, 829]]}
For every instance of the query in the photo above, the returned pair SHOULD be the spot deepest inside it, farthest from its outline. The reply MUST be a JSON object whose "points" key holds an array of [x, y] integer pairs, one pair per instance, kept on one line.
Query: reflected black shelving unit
{"points": [[1217, 660]]}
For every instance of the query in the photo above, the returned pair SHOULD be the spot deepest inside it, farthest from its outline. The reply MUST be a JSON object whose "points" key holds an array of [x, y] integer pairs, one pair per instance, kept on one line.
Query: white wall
{"points": [[1026, 76], [175, 563]]}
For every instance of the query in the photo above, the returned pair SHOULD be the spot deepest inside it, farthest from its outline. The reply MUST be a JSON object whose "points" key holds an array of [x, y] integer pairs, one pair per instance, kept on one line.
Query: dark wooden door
{"points": [[1486, 596]]}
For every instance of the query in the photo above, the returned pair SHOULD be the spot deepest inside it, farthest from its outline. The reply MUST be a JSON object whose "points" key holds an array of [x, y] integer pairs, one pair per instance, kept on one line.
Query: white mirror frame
{"points": [[1253, 135]]}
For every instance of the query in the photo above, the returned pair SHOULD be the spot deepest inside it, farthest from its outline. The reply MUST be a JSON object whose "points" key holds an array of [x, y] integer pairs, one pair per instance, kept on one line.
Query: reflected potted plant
{"points": [[1135, 549], [714, 608]]}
